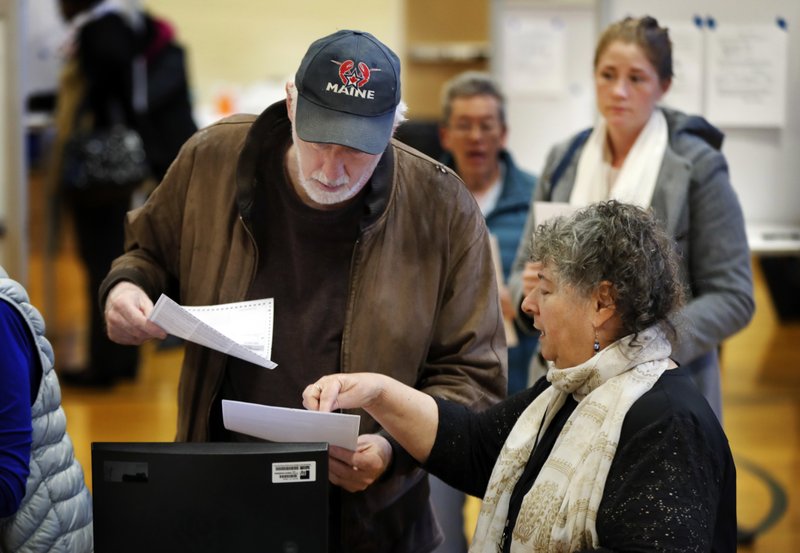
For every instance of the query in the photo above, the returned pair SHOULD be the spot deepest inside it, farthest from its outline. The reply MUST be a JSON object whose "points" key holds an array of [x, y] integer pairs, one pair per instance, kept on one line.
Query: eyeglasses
{"points": [[484, 127]]}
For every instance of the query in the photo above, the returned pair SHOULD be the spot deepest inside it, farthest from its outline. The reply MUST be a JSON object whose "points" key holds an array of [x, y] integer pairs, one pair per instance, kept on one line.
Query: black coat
{"points": [[671, 486]]}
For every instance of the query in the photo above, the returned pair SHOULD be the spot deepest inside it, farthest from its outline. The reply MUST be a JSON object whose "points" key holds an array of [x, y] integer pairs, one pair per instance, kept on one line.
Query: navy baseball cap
{"points": [[348, 88]]}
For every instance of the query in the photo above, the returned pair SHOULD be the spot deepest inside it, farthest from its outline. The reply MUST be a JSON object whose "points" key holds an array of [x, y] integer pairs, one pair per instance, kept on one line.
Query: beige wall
{"points": [[440, 24], [247, 41], [13, 192]]}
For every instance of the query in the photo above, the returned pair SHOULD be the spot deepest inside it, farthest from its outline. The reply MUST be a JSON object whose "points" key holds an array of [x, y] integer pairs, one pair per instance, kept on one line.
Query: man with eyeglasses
{"points": [[473, 133]]}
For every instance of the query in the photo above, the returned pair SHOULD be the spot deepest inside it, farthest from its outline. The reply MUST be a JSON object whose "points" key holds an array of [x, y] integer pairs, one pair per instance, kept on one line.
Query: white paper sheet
{"points": [[746, 72], [242, 329], [535, 49], [282, 424], [686, 92], [512, 339]]}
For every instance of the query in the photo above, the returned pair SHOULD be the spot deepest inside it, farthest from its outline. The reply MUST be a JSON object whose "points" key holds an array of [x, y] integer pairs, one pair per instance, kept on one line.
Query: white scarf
{"points": [[638, 174], [559, 511]]}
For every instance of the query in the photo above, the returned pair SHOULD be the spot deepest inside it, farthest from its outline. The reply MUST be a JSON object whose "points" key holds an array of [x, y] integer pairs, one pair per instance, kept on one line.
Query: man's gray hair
{"points": [[468, 84]]}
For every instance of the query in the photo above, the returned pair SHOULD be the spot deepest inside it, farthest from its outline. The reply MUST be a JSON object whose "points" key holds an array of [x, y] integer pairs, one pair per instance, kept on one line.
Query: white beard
{"points": [[338, 191]]}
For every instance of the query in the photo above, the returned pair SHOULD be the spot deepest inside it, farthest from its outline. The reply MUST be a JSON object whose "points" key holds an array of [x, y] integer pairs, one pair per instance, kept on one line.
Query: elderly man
{"points": [[377, 258]]}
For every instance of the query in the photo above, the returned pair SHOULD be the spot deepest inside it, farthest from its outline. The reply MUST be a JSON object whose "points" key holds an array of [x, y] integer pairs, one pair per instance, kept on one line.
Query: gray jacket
{"points": [[696, 203], [56, 514]]}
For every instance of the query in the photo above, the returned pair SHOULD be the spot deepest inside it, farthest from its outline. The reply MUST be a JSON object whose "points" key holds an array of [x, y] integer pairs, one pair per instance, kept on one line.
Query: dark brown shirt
{"points": [[305, 267]]}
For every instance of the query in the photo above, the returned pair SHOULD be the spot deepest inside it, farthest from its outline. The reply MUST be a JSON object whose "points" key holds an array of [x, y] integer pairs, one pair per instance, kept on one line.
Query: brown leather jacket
{"points": [[423, 302]]}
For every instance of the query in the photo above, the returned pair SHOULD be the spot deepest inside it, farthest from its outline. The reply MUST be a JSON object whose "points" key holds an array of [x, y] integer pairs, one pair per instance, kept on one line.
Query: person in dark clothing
{"points": [[166, 122], [123, 67], [615, 449], [96, 88]]}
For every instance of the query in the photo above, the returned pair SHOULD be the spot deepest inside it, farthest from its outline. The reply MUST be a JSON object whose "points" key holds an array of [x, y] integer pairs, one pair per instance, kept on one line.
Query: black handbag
{"points": [[103, 163], [104, 160]]}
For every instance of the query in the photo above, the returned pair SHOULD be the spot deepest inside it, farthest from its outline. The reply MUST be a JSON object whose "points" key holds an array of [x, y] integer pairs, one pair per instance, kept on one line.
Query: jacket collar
{"points": [[672, 186], [695, 125], [513, 192], [514, 189], [270, 132]]}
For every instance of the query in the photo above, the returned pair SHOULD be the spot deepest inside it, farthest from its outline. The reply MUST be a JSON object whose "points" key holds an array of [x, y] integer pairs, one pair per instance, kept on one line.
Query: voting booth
{"points": [[210, 497]]}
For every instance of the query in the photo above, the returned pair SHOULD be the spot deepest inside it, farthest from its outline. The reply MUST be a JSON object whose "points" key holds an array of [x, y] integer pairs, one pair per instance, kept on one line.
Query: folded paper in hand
{"points": [[242, 329], [282, 424]]}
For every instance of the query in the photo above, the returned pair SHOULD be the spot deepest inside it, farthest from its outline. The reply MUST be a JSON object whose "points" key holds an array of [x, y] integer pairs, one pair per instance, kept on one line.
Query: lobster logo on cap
{"points": [[352, 74]]}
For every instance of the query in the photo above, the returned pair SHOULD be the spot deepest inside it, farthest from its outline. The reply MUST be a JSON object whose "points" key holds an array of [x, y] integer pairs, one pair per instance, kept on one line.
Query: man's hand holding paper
{"points": [[241, 329], [356, 470], [127, 312]]}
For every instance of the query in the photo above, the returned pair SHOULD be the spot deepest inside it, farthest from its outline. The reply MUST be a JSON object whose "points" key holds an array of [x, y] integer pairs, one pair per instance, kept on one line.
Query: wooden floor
{"points": [[761, 392]]}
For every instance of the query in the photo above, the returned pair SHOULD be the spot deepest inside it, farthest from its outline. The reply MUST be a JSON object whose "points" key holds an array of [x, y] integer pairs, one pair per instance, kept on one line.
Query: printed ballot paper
{"points": [[282, 424], [242, 329]]}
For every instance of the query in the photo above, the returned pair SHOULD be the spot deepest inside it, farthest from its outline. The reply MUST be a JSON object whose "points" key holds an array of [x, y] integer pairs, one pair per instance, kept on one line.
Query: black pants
{"points": [[100, 233]]}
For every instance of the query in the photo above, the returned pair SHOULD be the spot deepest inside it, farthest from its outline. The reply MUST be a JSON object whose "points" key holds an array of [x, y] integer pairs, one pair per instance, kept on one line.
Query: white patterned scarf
{"points": [[559, 511], [637, 177]]}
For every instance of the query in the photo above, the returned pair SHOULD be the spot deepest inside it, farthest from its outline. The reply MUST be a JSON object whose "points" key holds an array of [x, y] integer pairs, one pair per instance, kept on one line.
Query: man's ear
{"points": [[289, 110], [504, 136]]}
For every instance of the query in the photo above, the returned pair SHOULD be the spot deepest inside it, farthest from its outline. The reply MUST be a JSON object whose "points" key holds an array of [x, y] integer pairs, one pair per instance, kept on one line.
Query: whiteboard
{"points": [[764, 161]]}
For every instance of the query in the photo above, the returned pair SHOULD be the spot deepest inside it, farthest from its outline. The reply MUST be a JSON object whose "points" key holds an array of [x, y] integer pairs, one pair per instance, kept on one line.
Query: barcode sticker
{"points": [[299, 471]]}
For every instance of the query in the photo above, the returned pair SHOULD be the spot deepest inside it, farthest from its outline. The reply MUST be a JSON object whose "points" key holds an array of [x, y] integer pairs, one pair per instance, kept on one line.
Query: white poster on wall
{"points": [[746, 67], [535, 59], [686, 91], [44, 35], [540, 114]]}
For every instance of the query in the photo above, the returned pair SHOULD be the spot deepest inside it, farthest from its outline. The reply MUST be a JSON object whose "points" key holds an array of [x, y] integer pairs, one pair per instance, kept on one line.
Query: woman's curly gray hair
{"points": [[624, 245]]}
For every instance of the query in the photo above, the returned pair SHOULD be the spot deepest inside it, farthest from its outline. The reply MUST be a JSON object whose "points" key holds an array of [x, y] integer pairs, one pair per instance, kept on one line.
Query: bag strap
{"points": [[139, 80], [576, 143], [116, 113]]}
